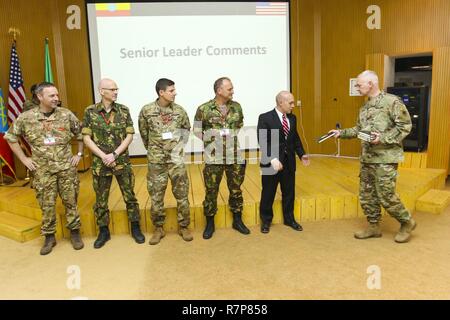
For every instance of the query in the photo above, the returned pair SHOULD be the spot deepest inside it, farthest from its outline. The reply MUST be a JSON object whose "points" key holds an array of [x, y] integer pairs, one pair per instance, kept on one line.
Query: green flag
{"points": [[3, 114], [48, 64]]}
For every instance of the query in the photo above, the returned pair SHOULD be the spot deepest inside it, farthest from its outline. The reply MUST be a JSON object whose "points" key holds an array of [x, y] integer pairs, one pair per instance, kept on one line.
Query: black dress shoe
{"points": [[294, 225], [265, 228]]}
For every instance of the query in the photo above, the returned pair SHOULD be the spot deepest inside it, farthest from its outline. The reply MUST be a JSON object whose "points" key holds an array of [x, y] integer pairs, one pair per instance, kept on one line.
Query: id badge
{"points": [[224, 132], [167, 135], [48, 141]]}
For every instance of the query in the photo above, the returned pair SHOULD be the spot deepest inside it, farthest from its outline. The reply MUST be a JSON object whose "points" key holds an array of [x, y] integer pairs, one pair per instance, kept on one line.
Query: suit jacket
{"points": [[273, 144]]}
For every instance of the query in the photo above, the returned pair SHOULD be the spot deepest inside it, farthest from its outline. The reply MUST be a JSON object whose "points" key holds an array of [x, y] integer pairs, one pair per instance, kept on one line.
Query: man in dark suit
{"points": [[279, 142]]}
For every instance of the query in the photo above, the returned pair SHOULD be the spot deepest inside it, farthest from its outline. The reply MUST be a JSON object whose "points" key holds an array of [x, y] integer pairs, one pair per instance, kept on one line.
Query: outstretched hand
{"points": [[336, 133]]}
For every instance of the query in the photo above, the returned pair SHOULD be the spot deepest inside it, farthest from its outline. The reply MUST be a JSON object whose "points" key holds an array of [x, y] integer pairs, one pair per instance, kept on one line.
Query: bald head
{"points": [[285, 101], [282, 95], [108, 90], [106, 83]]}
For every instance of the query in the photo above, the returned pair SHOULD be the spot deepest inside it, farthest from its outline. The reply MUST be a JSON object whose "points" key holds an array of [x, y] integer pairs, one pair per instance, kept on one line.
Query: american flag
{"points": [[271, 8], [16, 96]]}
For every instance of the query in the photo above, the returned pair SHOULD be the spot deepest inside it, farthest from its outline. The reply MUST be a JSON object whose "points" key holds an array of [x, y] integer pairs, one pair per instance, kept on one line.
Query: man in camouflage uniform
{"points": [[217, 123], [164, 128], [107, 132], [33, 102], [387, 120], [49, 131]]}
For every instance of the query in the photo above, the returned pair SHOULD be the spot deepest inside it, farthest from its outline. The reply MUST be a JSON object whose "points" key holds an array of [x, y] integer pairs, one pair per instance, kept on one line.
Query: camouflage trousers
{"points": [[157, 179], [102, 186], [47, 186], [377, 188], [212, 174]]}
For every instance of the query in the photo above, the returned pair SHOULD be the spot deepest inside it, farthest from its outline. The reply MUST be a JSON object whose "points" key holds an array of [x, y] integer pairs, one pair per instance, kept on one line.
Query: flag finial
{"points": [[14, 31]]}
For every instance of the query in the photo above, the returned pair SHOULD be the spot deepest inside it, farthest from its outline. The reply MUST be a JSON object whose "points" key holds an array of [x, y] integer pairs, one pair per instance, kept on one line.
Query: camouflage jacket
{"points": [[49, 137], [209, 123], [164, 132], [29, 104], [107, 131], [387, 115]]}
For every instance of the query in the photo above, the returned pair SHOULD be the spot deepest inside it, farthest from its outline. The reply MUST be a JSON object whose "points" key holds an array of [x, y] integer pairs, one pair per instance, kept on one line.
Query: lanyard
{"points": [[107, 121]]}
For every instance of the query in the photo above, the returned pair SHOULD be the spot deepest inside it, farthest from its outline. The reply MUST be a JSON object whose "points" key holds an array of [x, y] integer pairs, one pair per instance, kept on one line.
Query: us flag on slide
{"points": [[16, 96], [271, 8]]}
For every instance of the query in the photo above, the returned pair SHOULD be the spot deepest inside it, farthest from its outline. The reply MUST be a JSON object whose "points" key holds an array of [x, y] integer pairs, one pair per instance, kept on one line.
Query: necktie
{"points": [[285, 126]]}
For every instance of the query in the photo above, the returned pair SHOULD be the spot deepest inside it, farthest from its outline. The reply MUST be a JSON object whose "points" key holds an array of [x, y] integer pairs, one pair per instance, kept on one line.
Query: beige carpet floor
{"points": [[322, 262]]}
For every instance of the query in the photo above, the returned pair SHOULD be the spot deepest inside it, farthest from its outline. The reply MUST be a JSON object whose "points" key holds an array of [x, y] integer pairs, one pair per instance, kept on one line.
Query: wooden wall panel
{"points": [[343, 57], [375, 62], [76, 59], [302, 68], [439, 133], [410, 26], [34, 21]]}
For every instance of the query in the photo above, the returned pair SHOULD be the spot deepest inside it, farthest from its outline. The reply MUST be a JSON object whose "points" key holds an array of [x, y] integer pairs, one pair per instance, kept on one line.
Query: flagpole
{"points": [[19, 92], [1, 172], [2, 177]]}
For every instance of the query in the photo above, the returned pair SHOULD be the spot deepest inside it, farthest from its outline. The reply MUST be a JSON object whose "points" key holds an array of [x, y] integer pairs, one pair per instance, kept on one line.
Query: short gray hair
{"points": [[41, 86], [218, 83], [369, 75]]}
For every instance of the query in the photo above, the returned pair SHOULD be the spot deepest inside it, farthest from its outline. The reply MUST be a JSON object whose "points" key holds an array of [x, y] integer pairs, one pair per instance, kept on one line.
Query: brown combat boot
{"points": [[372, 231], [404, 234], [157, 236], [185, 234], [75, 238], [49, 243]]}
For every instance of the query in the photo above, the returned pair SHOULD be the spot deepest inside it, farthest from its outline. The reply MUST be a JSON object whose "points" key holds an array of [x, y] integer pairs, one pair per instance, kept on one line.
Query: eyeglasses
{"points": [[112, 89]]}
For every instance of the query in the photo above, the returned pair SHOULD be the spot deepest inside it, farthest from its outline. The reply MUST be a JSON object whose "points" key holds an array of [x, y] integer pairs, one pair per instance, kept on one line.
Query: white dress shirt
{"points": [[280, 115]]}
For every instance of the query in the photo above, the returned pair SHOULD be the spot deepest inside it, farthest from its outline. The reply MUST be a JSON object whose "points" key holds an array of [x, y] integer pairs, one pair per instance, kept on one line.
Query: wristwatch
{"points": [[115, 155], [80, 154]]}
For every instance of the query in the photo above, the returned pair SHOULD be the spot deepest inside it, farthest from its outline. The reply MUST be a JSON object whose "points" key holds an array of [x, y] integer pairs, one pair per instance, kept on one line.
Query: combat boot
{"points": [[373, 231], [49, 243], [102, 238], [185, 234], [136, 232], [238, 224], [404, 234], [75, 238], [210, 228], [157, 236]]}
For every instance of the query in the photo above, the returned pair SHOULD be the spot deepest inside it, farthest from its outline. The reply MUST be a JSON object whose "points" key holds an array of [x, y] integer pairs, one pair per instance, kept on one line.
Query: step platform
{"points": [[18, 228], [433, 201]]}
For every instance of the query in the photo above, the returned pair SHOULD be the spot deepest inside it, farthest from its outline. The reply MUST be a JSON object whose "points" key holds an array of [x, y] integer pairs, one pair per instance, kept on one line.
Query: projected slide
{"points": [[193, 44]]}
